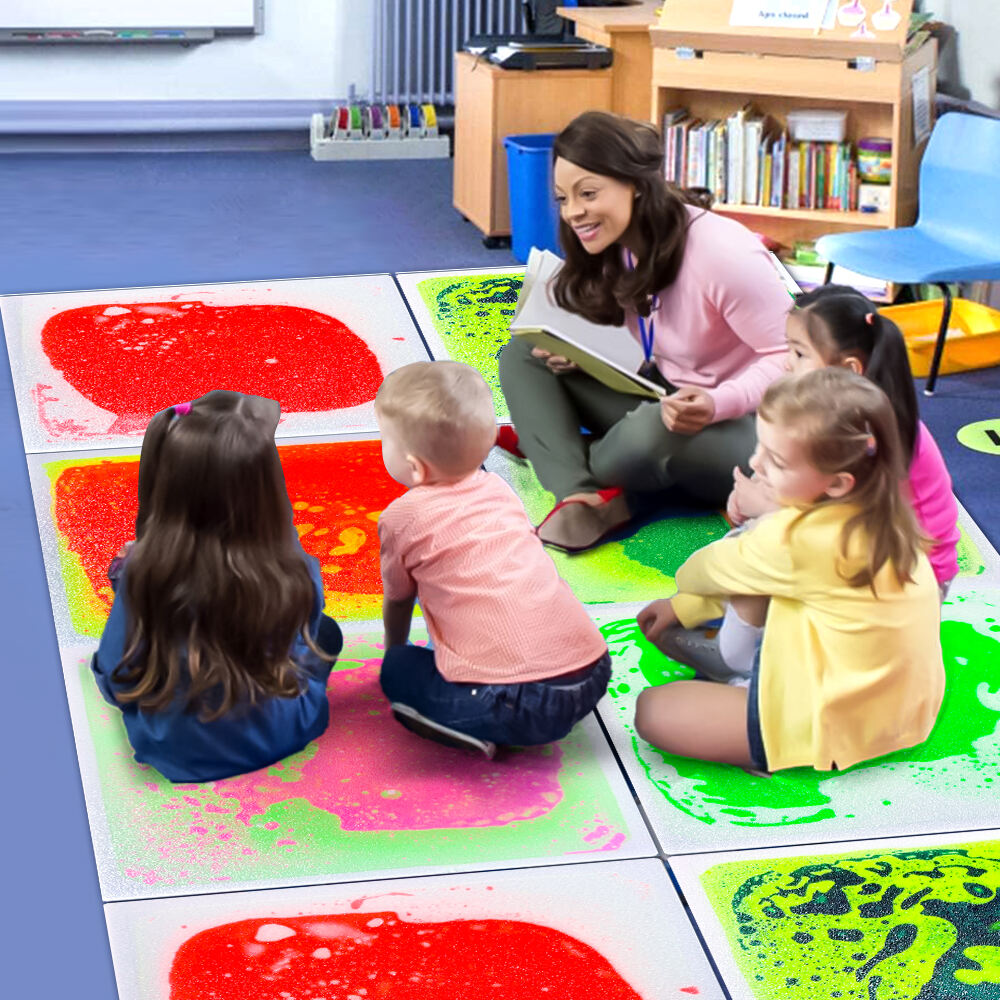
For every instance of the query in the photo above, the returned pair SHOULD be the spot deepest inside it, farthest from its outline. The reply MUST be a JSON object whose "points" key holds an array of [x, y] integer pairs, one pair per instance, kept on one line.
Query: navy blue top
{"points": [[247, 737]]}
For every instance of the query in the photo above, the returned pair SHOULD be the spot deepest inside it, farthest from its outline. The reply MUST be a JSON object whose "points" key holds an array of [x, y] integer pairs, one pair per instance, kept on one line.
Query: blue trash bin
{"points": [[534, 215]]}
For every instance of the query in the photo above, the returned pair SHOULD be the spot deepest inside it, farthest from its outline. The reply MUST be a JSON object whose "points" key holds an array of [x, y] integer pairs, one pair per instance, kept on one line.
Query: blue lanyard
{"points": [[646, 333]]}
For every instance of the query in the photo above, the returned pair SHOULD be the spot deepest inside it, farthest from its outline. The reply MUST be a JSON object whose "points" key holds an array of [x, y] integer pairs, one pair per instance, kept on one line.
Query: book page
{"points": [[539, 311]]}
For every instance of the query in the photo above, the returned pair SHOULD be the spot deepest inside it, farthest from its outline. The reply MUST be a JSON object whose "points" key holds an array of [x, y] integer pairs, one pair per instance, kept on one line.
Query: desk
{"points": [[491, 103], [624, 30]]}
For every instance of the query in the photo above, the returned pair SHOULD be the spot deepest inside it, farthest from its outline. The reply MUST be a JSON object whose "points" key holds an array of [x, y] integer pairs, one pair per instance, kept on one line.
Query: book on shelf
{"points": [[747, 159], [752, 138], [609, 354]]}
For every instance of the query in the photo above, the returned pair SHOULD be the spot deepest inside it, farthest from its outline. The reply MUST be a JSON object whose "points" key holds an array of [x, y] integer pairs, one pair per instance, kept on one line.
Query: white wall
{"points": [[310, 49], [972, 59], [315, 49]]}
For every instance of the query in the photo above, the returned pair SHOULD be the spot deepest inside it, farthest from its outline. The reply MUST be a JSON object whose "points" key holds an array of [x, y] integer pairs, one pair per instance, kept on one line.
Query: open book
{"points": [[609, 354]]}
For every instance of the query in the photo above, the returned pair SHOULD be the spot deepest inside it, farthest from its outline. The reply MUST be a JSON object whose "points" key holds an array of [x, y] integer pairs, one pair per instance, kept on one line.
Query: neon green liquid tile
{"points": [[895, 924], [960, 759], [471, 315]]}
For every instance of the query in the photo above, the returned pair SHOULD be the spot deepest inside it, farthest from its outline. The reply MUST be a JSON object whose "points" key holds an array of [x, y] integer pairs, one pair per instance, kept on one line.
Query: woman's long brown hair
{"points": [[216, 585], [600, 286], [846, 423]]}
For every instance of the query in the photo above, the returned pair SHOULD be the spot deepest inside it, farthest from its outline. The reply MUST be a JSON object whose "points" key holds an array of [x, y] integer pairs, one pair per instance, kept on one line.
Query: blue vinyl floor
{"points": [[74, 222]]}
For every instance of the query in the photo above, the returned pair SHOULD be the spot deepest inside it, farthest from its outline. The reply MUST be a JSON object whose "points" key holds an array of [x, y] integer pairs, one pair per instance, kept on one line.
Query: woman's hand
{"points": [[554, 362], [751, 497], [688, 410], [655, 617]]}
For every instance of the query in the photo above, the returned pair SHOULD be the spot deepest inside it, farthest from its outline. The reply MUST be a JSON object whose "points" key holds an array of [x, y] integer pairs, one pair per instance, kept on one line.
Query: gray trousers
{"points": [[629, 446]]}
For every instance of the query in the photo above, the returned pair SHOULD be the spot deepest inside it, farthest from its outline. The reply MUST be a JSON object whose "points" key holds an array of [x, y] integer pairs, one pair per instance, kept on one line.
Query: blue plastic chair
{"points": [[957, 233]]}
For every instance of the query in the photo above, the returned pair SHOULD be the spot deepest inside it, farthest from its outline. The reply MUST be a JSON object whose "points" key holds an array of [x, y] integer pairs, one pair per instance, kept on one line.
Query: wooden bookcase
{"points": [[702, 63]]}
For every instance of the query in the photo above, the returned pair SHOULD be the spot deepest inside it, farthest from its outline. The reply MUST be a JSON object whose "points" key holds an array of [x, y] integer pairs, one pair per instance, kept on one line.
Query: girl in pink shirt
{"points": [[515, 657], [701, 295], [837, 325]]}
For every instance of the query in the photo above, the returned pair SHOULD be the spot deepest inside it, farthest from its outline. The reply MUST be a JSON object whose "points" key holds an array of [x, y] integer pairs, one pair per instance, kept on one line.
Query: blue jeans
{"points": [[754, 736], [329, 638], [527, 714]]}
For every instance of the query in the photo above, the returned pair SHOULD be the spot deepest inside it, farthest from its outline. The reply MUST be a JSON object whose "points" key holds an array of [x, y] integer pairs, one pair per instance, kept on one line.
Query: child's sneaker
{"points": [[411, 719], [696, 648]]}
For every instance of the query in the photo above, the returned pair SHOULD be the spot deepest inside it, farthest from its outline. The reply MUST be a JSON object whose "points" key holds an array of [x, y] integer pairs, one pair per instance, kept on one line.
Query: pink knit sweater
{"points": [[721, 324]]}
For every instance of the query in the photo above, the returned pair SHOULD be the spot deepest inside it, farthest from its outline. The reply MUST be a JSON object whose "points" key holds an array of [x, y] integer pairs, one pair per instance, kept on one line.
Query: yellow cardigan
{"points": [[844, 675]]}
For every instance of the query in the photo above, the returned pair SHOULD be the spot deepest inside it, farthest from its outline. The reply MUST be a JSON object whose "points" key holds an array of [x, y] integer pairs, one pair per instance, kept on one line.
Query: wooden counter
{"points": [[491, 103], [624, 30]]}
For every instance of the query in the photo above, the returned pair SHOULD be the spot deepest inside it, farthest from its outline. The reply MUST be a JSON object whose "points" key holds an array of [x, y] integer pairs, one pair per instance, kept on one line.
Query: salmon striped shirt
{"points": [[496, 608]]}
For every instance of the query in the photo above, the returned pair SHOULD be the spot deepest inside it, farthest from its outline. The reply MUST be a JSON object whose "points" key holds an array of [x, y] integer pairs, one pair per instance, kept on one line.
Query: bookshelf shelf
{"points": [[711, 69], [826, 216]]}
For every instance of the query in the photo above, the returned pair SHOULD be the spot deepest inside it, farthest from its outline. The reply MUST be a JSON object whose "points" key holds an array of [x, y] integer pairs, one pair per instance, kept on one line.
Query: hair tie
{"points": [[181, 409], [871, 445], [870, 318]]}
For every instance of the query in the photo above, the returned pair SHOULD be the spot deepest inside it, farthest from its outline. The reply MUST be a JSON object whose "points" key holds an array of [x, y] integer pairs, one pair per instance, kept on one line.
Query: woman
{"points": [[698, 290]]}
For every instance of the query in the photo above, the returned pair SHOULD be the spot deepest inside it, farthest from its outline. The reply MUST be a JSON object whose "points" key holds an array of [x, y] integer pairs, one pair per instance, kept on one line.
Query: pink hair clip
{"points": [[182, 409], [870, 318]]}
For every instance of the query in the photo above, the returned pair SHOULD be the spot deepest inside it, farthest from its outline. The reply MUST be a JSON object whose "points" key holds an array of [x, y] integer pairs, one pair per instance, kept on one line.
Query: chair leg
{"points": [[828, 273], [939, 346]]}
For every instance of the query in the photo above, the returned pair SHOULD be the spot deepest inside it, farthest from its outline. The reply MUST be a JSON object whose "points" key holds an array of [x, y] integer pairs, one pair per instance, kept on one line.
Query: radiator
{"points": [[416, 42]]}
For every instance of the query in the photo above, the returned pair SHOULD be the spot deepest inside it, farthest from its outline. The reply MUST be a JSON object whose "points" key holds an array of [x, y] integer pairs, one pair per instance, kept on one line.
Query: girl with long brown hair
{"points": [[216, 649], [849, 666], [700, 294]]}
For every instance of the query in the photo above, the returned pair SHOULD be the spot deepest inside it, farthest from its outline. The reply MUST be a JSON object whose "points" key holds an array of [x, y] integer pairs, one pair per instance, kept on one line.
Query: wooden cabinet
{"points": [[492, 103], [624, 30], [703, 64]]}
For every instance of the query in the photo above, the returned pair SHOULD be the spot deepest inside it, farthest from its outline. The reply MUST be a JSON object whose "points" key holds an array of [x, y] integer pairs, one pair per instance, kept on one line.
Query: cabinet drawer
{"points": [[743, 73]]}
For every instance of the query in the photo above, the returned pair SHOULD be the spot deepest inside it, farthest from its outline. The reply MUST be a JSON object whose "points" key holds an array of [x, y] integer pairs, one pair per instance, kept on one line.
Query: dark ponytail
{"points": [[843, 323]]}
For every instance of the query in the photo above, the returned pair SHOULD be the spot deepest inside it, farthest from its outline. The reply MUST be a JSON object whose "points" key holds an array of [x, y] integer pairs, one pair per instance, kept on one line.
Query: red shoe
{"points": [[583, 525], [508, 440]]}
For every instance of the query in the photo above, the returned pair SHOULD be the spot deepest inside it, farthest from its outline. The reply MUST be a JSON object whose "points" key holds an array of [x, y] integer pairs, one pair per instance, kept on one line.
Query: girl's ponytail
{"points": [[884, 514], [889, 368]]}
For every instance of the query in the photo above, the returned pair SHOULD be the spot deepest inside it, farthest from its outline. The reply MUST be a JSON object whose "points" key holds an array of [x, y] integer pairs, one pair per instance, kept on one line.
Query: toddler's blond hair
{"points": [[442, 412]]}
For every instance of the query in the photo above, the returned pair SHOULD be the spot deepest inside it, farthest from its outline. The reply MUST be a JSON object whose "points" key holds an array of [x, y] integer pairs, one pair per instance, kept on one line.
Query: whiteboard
{"points": [[233, 15]]}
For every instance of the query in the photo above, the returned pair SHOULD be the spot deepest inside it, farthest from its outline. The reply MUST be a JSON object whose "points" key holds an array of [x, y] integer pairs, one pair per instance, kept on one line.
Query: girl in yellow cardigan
{"points": [[850, 663]]}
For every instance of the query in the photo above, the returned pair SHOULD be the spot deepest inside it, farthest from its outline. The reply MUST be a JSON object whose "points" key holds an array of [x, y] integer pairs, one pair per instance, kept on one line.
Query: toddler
{"points": [[515, 657]]}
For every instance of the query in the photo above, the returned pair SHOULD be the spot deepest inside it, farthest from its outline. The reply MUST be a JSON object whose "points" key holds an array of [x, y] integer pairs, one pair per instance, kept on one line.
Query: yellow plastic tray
{"points": [[973, 339]]}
